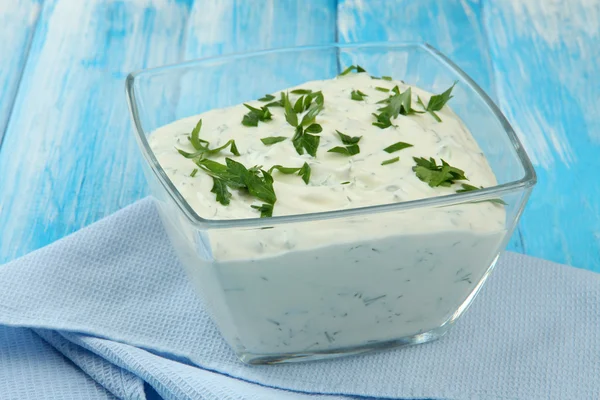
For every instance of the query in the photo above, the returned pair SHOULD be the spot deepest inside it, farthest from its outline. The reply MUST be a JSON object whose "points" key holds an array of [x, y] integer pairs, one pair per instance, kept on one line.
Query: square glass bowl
{"points": [[349, 281]]}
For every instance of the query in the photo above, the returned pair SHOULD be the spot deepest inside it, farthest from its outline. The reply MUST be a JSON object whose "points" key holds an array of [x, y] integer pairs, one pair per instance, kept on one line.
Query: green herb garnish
{"points": [[397, 147], [347, 150], [382, 89], [468, 188], [351, 68], [301, 91], [251, 119], [397, 104], [268, 97], [195, 136], [345, 183], [234, 175], [314, 128], [303, 172], [266, 210], [386, 78], [194, 172], [267, 141], [437, 102], [305, 141], [205, 151], [347, 139], [357, 95], [390, 161], [437, 175]]}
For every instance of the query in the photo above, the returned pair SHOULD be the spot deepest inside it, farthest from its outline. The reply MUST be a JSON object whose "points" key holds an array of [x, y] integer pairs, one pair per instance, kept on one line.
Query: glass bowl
{"points": [[350, 281]]}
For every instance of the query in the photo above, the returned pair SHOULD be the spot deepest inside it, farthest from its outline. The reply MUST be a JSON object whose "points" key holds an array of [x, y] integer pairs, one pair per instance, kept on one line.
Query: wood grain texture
{"points": [[546, 56], [68, 157], [455, 27], [17, 24]]}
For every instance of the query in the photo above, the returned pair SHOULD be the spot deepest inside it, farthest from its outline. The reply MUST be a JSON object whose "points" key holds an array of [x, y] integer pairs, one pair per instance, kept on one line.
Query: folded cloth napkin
{"points": [[108, 310]]}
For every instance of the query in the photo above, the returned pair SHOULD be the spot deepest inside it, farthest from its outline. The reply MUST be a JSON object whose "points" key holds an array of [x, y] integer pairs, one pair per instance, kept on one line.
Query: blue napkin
{"points": [[108, 309]]}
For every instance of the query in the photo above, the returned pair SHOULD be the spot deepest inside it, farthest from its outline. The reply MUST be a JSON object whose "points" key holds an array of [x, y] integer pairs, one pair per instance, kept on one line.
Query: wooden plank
{"points": [[455, 27], [546, 58], [17, 23], [69, 157]]}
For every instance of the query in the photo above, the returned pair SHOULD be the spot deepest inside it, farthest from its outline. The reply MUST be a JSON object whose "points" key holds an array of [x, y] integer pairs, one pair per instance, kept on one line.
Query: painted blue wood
{"points": [[546, 61], [455, 27], [17, 23], [68, 157]]}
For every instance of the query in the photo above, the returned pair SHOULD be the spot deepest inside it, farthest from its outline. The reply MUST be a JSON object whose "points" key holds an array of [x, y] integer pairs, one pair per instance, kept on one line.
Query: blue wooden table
{"points": [[67, 155]]}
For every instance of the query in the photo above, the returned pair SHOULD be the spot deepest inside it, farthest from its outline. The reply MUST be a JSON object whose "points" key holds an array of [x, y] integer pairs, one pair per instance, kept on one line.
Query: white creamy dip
{"points": [[335, 284]]}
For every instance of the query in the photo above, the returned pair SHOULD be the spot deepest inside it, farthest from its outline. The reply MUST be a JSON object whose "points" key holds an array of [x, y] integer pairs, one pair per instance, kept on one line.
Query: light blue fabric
{"points": [[113, 299]]}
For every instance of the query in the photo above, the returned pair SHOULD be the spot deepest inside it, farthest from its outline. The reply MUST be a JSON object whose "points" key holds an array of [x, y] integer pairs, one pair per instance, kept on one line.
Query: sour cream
{"points": [[337, 284]]}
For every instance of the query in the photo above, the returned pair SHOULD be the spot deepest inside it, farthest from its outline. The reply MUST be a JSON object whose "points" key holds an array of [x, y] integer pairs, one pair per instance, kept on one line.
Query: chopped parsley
{"points": [[355, 68], [303, 172], [267, 141], [347, 139], [390, 161], [386, 78], [301, 91], [303, 139], [469, 188], [397, 104], [267, 97], [382, 89], [205, 151], [345, 150], [351, 143], [397, 147], [357, 95], [437, 175], [437, 102], [234, 175], [194, 172], [251, 119]]}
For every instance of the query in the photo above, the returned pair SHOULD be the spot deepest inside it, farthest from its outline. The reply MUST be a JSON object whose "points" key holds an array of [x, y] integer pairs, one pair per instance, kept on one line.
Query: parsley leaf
{"points": [[221, 191], [251, 119], [468, 188], [351, 68], [303, 172], [314, 128], [284, 170], [382, 89], [312, 113], [301, 91], [205, 151], [437, 102], [303, 140], [397, 104], [397, 147], [194, 172], [437, 175], [347, 139], [268, 97], [258, 182], [347, 150], [267, 141], [357, 95], [390, 161], [386, 78], [266, 210], [290, 114], [194, 138]]}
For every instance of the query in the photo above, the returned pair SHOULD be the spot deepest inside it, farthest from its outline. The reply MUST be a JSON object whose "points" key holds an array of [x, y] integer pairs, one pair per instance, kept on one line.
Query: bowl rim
{"points": [[528, 180]]}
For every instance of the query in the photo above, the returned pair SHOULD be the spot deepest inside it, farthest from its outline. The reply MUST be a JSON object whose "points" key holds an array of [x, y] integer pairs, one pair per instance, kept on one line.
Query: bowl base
{"points": [[280, 358]]}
